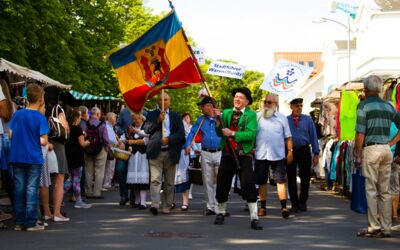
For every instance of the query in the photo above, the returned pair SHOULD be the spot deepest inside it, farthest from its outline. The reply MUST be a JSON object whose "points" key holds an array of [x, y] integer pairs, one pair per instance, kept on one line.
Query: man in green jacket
{"points": [[239, 129]]}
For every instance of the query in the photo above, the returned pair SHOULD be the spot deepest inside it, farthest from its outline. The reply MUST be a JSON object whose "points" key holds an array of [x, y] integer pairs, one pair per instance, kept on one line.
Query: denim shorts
{"points": [[261, 171]]}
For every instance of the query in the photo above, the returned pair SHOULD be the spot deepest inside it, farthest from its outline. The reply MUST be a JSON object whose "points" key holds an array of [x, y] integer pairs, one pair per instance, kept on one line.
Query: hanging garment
{"points": [[348, 115]]}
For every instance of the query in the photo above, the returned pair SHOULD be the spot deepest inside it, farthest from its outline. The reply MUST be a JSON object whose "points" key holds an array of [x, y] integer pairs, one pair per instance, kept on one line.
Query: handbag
{"points": [[52, 162], [358, 194], [56, 126], [195, 176]]}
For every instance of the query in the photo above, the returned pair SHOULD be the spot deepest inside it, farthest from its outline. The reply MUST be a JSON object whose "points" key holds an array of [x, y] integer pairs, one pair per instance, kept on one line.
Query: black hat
{"points": [[245, 91], [296, 101], [206, 100]]}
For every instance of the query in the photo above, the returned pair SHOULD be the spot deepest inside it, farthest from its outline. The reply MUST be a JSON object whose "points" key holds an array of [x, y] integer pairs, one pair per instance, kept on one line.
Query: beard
{"points": [[268, 113]]}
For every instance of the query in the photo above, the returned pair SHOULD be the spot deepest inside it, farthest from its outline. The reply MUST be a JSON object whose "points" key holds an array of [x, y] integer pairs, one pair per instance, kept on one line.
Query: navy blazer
{"points": [[176, 139]]}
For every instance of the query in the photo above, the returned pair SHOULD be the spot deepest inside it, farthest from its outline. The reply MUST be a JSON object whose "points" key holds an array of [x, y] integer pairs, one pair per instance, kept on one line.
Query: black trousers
{"points": [[301, 160], [227, 169]]}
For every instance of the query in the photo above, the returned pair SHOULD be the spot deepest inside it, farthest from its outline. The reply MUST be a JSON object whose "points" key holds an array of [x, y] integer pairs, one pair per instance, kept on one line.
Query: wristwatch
{"points": [[291, 150], [233, 133]]}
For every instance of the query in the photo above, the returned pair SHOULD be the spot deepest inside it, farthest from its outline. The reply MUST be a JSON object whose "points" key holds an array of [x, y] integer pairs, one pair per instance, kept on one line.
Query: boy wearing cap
{"points": [[239, 129], [210, 151]]}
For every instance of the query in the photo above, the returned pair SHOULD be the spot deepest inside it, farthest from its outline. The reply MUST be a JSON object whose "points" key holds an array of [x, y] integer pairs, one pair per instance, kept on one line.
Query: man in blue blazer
{"points": [[166, 138]]}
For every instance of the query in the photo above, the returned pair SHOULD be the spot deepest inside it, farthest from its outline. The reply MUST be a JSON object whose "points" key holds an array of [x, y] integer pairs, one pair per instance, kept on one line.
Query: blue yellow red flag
{"points": [[159, 59]]}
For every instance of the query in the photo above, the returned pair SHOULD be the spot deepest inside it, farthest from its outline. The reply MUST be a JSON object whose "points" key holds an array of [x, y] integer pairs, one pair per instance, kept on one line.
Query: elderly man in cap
{"points": [[374, 118], [239, 128], [210, 150], [273, 133], [304, 134]]}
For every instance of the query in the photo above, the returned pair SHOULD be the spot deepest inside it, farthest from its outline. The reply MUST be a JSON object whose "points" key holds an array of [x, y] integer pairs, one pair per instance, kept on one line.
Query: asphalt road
{"points": [[328, 224]]}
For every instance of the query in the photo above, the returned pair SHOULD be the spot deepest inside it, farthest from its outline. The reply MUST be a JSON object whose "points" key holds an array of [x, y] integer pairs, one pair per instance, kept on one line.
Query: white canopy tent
{"points": [[30, 74]]}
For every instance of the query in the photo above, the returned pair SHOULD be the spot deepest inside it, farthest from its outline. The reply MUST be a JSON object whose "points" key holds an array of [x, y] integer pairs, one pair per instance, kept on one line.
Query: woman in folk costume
{"points": [[182, 184], [138, 165]]}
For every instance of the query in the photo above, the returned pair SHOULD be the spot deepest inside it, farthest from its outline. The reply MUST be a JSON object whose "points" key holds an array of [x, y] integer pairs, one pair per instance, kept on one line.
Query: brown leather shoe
{"points": [[285, 212], [262, 212]]}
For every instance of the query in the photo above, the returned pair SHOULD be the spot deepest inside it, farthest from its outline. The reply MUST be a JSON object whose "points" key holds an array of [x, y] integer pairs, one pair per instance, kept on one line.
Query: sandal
{"points": [[366, 233], [185, 208]]}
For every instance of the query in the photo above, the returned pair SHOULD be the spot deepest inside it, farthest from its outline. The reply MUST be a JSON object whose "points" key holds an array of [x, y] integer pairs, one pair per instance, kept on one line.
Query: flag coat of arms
{"points": [[286, 78], [159, 59]]}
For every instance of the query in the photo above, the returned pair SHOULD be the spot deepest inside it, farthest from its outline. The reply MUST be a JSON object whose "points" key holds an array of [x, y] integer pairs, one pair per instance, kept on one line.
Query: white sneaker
{"points": [[35, 228], [60, 219], [82, 205]]}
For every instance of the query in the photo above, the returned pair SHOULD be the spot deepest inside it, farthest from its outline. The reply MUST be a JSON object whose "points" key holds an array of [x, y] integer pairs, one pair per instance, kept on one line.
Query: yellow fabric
{"points": [[129, 76], [177, 50]]}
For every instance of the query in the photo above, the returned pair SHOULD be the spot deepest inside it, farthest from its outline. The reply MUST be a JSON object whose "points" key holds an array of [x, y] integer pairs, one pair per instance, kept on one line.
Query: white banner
{"points": [[286, 78], [226, 69], [200, 55]]}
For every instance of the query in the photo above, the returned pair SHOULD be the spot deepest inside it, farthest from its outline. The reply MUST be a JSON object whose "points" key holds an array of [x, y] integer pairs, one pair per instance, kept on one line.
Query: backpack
{"points": [[93, 135], [56, 126]]}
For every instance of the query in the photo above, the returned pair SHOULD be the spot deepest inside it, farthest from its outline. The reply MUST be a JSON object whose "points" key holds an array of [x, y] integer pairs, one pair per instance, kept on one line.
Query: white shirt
{"points": [[271, 135], [167, 130]]}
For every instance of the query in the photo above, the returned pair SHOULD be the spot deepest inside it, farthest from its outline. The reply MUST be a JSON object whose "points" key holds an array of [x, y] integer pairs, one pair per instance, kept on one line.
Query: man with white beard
{"points": [[272, 135]]}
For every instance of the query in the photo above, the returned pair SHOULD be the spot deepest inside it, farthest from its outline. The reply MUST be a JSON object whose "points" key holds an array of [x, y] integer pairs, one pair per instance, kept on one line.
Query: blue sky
{"points": [[250, 31]]}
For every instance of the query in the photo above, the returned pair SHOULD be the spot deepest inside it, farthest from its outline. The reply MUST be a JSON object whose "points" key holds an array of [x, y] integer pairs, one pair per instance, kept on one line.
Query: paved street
{"points": [[329, 224]]}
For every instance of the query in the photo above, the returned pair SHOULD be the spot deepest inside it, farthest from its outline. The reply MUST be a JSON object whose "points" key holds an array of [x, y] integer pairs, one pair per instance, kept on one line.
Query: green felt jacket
{"points": [[247, 131]]}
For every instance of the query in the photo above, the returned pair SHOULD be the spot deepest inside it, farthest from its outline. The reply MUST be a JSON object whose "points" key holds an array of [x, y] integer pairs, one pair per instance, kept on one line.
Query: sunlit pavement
{"points": [[328, 224]]}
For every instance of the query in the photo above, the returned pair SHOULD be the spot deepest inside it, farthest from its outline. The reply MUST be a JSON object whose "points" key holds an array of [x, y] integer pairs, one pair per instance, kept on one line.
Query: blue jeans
{"points": [[26, 193], [121, 167]]}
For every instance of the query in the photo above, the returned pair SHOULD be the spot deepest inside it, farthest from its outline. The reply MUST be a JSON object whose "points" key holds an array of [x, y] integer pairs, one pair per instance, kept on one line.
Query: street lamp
{"points": [[349, 31]]}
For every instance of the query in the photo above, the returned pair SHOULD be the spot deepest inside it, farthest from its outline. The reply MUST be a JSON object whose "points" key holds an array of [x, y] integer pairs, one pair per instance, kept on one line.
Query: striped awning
{"points": [[87, 97]]}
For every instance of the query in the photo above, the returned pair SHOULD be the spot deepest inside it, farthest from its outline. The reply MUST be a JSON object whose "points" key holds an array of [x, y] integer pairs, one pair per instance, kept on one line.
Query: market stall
{"points": [[105, 103], [21, 75]]}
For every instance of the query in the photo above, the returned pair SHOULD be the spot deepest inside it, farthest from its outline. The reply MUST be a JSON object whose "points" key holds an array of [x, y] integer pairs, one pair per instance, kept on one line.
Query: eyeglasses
{"points": [[268, 102]]}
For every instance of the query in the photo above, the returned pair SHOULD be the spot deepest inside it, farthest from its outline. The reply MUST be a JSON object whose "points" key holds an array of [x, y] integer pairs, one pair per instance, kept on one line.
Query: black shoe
{"points": [[209, 212], [255, 224], [294, 210], [142, 207], [123, 201], [227, 214], [154, 210], [135, 205], [303, 207], [285, 212], [219, 220]]}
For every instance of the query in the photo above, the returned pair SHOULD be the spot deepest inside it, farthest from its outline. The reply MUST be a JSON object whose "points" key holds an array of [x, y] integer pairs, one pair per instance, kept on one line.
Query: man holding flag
{"points": [[166, 138]]}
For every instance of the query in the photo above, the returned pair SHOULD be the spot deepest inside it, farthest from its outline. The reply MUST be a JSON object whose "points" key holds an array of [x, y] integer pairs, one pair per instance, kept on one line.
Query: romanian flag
{"points": [[159, 59]]}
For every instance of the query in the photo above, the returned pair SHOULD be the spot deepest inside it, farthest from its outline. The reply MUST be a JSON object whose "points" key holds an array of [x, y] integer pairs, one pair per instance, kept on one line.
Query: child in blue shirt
{"points": [[28, 132]]}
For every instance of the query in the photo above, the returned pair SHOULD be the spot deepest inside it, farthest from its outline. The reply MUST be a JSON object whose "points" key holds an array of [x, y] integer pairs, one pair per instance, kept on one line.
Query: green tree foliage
{"points": [[68, 40]]}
